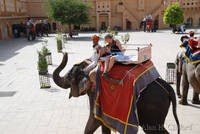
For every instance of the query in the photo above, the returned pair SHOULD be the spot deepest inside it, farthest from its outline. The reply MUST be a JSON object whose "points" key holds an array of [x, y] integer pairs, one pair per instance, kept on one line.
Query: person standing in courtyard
{"points": [[144, 24]]}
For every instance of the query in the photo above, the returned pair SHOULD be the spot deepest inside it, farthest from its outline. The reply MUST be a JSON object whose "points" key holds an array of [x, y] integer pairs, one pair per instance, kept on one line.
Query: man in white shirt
{"points": [[95, 56]]}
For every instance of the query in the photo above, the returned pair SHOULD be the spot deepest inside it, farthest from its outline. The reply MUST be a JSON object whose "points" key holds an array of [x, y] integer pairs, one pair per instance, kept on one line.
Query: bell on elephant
{"points": [[170, 73]]}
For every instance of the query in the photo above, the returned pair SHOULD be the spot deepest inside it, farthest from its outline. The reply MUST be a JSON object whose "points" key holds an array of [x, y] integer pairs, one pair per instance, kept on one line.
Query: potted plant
{"points": [[114, 32], [125, 38], [42, 64], [46, 53], [59, 42]]}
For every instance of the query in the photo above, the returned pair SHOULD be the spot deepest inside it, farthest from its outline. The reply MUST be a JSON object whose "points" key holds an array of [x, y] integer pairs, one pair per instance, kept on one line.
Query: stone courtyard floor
{"points": [[27, 109]]}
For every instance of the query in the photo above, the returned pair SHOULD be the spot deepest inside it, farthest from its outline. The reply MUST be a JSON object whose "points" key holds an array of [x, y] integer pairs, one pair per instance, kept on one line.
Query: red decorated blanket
{"points": [[116, 103]]}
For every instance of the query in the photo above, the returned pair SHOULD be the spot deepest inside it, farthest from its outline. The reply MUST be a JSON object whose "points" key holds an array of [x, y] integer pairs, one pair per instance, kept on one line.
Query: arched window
{"points": [[141, 4]]}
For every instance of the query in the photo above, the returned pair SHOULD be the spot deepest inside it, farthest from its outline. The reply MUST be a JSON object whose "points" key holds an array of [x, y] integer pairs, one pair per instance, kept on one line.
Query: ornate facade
{"points": [[121, 14], [127, 14], [17, 11]]}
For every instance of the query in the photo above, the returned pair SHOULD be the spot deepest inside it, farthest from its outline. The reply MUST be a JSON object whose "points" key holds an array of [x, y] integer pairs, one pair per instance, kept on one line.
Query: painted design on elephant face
{"points": [[112, 87]]}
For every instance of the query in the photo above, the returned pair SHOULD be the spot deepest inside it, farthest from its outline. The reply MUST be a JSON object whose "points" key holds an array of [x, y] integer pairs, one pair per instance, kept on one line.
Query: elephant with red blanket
{"points": [[152, 105]]}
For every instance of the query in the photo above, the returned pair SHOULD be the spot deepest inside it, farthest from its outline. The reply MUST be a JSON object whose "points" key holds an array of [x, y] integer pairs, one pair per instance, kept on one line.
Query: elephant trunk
{"points": [[61, 81]]}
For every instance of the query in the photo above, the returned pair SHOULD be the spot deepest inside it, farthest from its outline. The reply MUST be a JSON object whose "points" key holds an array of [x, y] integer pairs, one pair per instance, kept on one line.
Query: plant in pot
{"points": [[42, 64], [43, 71], [114, 33], [59, 42], [46, 53], [125, 38]]}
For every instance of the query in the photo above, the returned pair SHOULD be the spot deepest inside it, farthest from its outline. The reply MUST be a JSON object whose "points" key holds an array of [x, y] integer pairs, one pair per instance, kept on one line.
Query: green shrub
{"points": [[59, 45], [42, 64], [59, 42], [173, 15], [125, 38], [102, 32], [44, 51], [108, 30], [114, 33]]}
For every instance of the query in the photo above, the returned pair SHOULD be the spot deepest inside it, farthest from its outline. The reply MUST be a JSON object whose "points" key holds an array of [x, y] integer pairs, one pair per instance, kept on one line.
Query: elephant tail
{"points": [[174, 107]]}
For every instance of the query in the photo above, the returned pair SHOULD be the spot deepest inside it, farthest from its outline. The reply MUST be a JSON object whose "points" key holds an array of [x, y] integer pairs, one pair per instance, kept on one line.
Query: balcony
{"points": [[103, 6], [190, 4], [120, 7]]}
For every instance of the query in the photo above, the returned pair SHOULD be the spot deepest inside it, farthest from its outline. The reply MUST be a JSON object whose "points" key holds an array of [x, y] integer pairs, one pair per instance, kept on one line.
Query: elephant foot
{"points": [[183, 102], [179, 96], [196, 102]]}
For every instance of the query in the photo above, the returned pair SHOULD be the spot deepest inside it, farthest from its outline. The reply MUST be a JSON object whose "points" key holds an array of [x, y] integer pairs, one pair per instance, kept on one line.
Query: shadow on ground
{"points": [[9, 48], [77, 38], [7, 93], [194, 106], [53, 90]]}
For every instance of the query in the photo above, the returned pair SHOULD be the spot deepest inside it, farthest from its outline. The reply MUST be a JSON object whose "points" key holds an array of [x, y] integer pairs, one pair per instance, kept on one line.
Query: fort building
{"points": [[127, 14], [16, 12], [120, 14]]}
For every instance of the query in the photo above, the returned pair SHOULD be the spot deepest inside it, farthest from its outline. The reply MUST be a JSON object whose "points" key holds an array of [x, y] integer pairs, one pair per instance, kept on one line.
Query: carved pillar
{"points": [[97, 21], [124, 21], [109, 19], [4, 3], [15, 5]]}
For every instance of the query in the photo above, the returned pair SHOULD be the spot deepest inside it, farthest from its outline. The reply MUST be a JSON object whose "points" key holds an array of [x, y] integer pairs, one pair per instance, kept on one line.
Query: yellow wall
{"points": [[17, 11], [36, 9], [135, 10]]}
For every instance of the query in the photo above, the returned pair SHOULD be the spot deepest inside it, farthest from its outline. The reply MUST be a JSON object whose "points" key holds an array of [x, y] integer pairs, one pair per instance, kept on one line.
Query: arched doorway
{"points": [[104, 20], [190, 22], [77, 27], [128, 25]]}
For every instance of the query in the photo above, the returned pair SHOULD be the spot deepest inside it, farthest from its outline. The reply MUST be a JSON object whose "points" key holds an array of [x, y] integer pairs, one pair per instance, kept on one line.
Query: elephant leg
{"points": [[196, 87], [195, 99], [166, 132], [185, 86], [92, 125], [178, 82], [105, 130]]}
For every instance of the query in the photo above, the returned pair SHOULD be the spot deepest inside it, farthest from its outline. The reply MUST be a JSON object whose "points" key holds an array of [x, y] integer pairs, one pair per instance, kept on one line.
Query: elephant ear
{"points": [[92, 75]]}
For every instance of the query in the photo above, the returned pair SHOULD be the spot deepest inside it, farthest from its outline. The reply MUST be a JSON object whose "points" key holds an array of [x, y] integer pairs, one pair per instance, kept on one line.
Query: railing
{"points": [[122, 8], [133, 15], [190, 4], [157, 8]]}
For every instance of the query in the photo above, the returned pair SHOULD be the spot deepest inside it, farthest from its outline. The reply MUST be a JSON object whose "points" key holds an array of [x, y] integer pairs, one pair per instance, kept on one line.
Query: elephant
{"points": [[155, 99], [187, 74]]}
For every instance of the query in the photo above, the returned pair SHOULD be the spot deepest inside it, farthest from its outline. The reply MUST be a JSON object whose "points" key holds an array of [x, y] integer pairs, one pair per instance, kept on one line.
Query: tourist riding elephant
{"points": [[152, 106], [190, 74]]}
